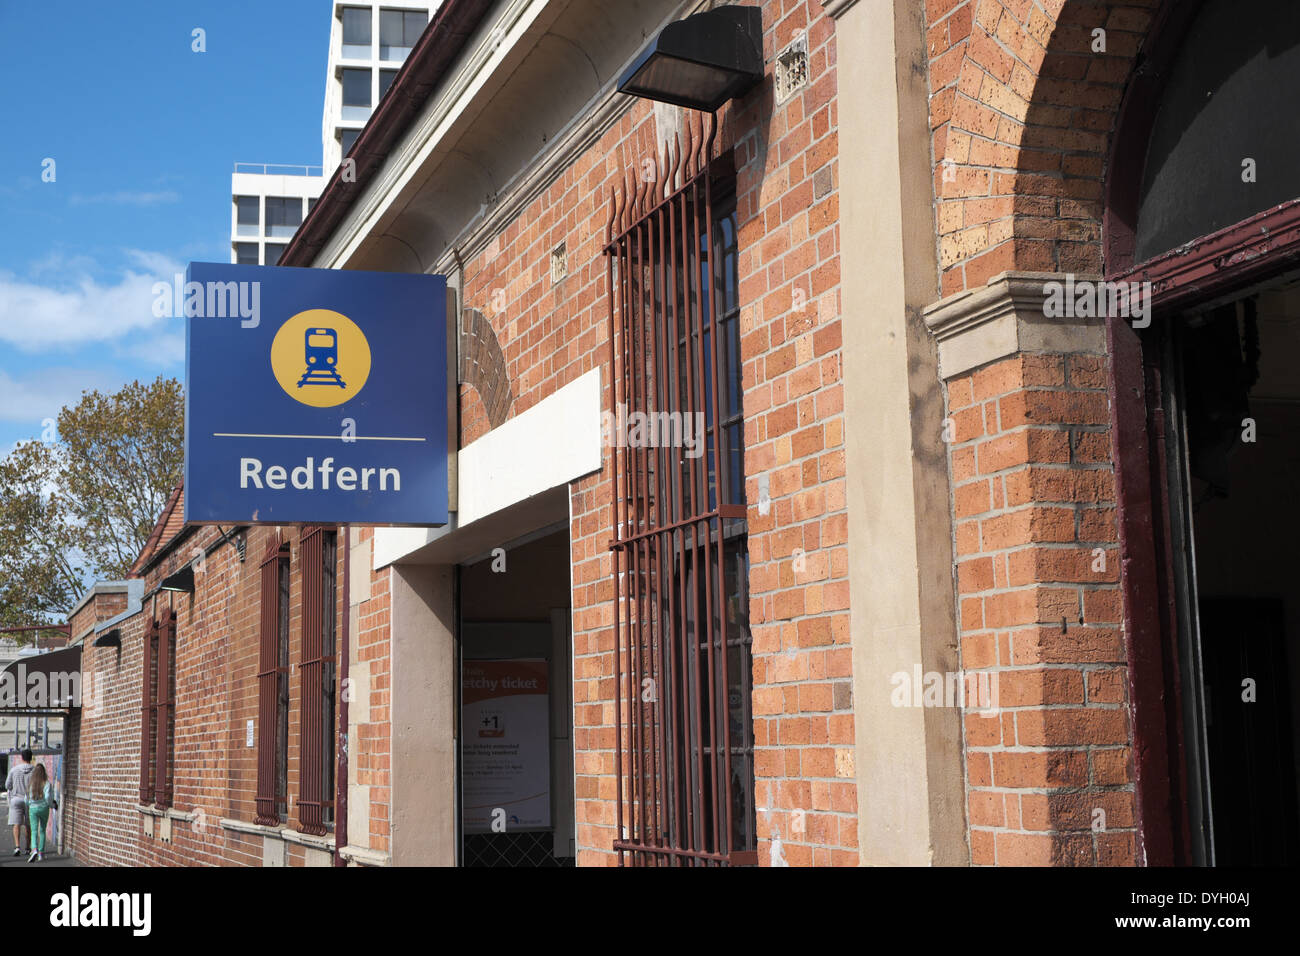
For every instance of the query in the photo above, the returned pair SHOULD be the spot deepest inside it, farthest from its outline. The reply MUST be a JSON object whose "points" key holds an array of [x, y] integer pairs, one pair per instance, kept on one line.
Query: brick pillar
{"points": [[1048, 775]]}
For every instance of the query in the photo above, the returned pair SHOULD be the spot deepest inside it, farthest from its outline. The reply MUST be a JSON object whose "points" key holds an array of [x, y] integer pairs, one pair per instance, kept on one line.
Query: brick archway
{"points": [[1024, 100], [1022, 108], [488, 397]]}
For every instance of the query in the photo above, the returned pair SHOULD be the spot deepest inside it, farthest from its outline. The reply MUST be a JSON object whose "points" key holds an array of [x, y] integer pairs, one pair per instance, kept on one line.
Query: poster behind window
{"points": [[506, 759]]}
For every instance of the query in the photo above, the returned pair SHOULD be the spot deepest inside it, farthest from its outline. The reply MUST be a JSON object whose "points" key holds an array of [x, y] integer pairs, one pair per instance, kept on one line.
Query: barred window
{"points": [[328, 690], [684, 763], [282, 696], [148, 713], [316, 740], [273, 688], [164, 708], [157, 711]]}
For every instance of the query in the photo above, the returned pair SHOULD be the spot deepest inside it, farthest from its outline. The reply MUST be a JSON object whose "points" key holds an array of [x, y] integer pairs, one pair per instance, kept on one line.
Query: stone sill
{"points": [[284, 833], [170, 813], [364, 856]]}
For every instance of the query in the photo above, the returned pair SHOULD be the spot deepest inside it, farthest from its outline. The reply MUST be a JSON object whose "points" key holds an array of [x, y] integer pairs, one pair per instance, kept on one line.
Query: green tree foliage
{"points": [[122, 457], [81, 508], [40, 570]]}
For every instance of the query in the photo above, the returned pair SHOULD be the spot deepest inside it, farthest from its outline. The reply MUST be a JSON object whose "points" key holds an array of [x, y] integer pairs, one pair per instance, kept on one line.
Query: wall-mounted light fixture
{"points": [[182, 581], [700, 62], [111, 638]]}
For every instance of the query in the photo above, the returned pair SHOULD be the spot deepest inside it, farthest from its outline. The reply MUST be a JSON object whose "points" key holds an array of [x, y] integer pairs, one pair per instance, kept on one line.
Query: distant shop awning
{"points": [[42, 682]]}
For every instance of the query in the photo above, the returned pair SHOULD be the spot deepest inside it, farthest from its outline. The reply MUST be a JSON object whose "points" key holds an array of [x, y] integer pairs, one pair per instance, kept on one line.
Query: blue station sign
{"points": [[314, 396]]}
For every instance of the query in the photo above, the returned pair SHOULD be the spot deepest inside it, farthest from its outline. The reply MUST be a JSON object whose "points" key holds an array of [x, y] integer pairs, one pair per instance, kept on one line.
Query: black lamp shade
{"points": [[182, 580], [700, 62], [111, 638]]}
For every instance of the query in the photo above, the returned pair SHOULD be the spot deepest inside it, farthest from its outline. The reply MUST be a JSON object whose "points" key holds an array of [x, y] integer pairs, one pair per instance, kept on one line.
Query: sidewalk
{"points": [[8, 859]]}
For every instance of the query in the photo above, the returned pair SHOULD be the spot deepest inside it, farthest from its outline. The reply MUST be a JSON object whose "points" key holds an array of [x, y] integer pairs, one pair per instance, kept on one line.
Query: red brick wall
{"points": [[1022, 109], [1037, 581], [370, 765], [101, 790], [214, 773], [99, 608], [788, 161], [787, 202]]}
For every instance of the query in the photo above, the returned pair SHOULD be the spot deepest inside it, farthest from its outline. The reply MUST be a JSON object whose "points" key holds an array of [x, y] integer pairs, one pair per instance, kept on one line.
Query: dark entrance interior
{"points": [[516, 710], [1233, 458], [1202, 208]]}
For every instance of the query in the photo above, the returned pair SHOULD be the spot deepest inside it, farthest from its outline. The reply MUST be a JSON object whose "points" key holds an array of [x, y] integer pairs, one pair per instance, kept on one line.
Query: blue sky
{"points": [[144, 133]]}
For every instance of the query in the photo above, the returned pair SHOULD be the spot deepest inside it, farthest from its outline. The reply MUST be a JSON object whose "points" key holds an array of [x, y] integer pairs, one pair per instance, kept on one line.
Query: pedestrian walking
{"points": [[17, 784], [40, 798]]}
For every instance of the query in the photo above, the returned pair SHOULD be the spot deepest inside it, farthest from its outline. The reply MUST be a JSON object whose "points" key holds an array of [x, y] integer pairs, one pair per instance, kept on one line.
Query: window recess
{"points": [[684, 761]]}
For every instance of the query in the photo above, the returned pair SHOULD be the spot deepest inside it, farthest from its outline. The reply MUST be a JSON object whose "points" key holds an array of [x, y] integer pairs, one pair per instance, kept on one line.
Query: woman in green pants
{"points": [[40, 793]]}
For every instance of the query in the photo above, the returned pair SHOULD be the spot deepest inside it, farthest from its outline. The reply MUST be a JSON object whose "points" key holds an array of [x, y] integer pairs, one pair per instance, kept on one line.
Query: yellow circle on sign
{"points": [[320, 358]]}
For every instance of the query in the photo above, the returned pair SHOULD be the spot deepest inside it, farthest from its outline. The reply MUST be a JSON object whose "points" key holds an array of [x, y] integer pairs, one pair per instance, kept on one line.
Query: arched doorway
{"points": [[1202, 214]]}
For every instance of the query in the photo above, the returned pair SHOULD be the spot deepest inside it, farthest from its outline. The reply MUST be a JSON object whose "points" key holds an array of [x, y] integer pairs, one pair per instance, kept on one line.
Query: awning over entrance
{"points": [[42, 683]]}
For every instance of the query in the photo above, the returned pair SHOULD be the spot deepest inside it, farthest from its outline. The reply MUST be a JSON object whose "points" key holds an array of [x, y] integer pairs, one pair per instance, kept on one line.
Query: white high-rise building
{"points": [[368, 44], [268, 203]]}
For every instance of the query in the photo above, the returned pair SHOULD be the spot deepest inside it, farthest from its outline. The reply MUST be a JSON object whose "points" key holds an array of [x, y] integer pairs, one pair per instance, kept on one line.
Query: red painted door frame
{"points": [[1232, 259], [1215, 265], [1150, 632]]}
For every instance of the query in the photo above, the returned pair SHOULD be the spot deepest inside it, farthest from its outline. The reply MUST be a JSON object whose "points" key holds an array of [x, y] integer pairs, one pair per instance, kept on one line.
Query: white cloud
{"points": [[81, 310], [162, 350], [42, 394], [126, 198], [57, 263], [156, 262]]}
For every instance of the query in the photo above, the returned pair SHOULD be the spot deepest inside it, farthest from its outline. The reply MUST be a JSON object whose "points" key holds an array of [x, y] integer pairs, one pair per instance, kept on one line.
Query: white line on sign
{"points": [[321, 437]]}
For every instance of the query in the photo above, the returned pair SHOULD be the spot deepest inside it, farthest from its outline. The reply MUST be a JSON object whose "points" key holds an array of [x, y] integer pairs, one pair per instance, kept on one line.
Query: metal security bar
{"points": [[317, 729], [683, 759], [148, 653], [269, 672], [164, 699]]}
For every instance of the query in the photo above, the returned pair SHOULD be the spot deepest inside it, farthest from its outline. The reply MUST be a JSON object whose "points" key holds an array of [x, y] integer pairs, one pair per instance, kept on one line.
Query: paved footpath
{"points": [[7, 857]]}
